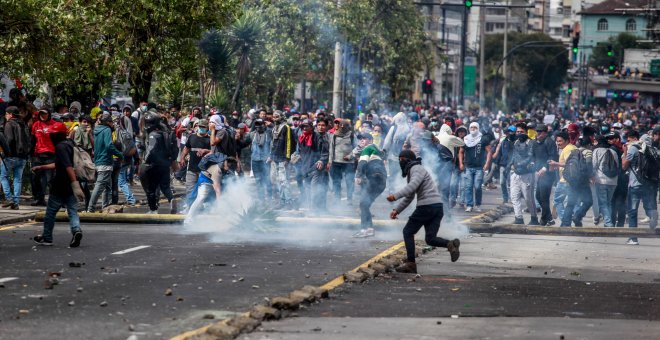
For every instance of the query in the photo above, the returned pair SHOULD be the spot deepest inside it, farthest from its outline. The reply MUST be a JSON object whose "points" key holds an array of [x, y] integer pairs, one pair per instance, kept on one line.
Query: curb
{"points": [[17, 219], [116, 218], [573, 231]]}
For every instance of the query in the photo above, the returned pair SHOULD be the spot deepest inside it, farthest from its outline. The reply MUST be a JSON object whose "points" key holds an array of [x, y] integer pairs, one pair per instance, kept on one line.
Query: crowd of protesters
{"points": [[550, 166]]}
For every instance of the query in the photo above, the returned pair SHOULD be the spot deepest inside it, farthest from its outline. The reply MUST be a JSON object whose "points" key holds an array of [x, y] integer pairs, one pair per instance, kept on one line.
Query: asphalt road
{"points": [[506, 286]]}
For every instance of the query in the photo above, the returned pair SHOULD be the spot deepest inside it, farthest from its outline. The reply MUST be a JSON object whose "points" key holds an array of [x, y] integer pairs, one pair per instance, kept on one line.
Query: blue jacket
{"points": [[104, 149]]}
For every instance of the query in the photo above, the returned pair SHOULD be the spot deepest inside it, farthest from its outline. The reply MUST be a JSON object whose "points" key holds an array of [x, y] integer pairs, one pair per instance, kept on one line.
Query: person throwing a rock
{"points": [[428, 212]]}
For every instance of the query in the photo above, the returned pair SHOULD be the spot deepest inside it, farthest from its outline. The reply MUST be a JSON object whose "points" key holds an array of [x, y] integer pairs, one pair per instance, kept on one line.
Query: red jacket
{"points": [[41, 133]]}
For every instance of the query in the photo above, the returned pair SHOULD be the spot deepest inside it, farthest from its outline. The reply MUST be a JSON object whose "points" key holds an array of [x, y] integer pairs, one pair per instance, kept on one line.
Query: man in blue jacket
{"points": [[104, 149]]}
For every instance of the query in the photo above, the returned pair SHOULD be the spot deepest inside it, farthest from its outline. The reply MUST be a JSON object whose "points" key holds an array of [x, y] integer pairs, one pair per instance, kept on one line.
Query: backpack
{"points": [[83, 165], [648, 164], [609, 166], [521, 164], [576, 169], [125, 142], [171, 147]]}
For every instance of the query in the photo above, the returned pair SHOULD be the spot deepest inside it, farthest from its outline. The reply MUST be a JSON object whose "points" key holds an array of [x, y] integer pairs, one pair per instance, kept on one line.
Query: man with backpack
{"points": [[577, 172], [522, 176], [562, 140], [605, 172], [642, 161], [160, 151], [125, 141], [104, 149], [340, 165]]}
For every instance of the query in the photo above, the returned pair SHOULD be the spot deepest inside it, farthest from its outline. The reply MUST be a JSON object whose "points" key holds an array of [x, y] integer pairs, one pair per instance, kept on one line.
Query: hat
{"points": [[258, 121], [203, 123], [656, 131], [217, 120], [409, 154], [511, 128], [541, 128], [12, 109], [365, 136], [106, 117], [628, 122], [58, 127], [617, 125], [612, 134]]}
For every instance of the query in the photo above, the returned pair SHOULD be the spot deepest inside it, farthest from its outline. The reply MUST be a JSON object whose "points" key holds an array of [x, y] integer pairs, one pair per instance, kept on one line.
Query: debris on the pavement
{"points": [[179, 299], [317, 329], [76, 264], [255, 287], [219, 280], [454, 316], [208, 316], [241, 279], [79, 289], [24, 311], [455, 289], [103, 304], [168, 292], [131, 328], [72, 303], [575, 273]]}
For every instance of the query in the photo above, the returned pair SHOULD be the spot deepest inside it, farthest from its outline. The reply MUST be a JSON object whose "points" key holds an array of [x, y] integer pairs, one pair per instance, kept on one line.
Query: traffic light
{"points": [[468, 4], [427, 86], [611, 68], [576, 40], [570, 89], [610, 52]]}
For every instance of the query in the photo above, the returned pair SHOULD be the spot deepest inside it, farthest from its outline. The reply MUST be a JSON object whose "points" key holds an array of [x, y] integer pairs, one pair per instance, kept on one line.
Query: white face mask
{"points": [[474, 133]]}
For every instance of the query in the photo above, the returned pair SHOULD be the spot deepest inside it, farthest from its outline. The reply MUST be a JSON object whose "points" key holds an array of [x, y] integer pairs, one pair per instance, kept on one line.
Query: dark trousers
{"points": [[316, 183], [371, 189], [261, 171], [152, 179], [41, 179], [543, 191], [428, 216], [619, 205], [345, 171], [578, 203], [116, 166]]}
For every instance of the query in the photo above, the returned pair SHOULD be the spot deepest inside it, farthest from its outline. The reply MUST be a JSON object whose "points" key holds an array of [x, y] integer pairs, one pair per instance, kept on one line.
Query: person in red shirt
{"points": [[44, 154]]}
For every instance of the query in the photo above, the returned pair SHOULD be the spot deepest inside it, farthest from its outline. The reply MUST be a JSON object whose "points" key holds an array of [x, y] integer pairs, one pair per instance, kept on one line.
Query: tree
{"points": [[619, 43], [246, 37]]}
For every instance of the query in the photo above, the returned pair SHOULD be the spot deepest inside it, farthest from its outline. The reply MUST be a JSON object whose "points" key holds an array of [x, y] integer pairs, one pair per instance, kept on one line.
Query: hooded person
{"points": [[476, 156], [448, 148], [155, 168], [372, 177], [65, 189], [282, 148], [340, 163], [75, 109], [104, 151], [260, 139], [573, 133], [428, 213], [393, 144]]}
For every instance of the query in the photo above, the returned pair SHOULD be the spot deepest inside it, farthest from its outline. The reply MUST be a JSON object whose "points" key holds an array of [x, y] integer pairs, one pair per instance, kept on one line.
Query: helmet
{"points": [[151, 120]]}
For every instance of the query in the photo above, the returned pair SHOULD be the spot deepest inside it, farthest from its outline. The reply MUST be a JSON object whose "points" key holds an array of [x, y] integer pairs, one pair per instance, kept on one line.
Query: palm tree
{"points": [[245, 34]]}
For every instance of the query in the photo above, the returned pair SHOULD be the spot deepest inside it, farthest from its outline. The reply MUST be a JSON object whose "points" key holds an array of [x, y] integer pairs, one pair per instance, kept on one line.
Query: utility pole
{"points": [[505, 51], [482, 50], [461, 71], [336, 84]]}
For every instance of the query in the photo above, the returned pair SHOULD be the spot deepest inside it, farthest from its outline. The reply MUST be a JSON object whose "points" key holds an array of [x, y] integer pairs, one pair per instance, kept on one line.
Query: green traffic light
{"points": [[570, 91], [575, 50], [611, 67], [468, 3], [609, 53]]}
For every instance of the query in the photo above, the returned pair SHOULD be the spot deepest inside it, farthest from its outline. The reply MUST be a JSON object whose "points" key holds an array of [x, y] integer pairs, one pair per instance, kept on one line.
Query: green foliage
{"points": [[534, 72], [619, 43]]}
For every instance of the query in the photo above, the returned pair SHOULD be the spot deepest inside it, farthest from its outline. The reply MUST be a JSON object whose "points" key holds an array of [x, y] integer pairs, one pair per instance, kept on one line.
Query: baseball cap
{"points": [[541, 128], [203, 123], [365, 136]]}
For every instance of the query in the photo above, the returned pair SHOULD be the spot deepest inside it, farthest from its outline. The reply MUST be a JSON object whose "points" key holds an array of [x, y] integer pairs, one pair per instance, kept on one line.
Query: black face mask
{"points": [[403, 164], [522, 138], [261, 129], [511, 137]]}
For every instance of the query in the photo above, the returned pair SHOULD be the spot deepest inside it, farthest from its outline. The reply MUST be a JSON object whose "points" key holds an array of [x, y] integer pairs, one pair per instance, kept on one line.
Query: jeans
{"points": [[559, 199], [504, 182], [645, 194], [347, 171], [316, 182], [579, 202], [55, 202], [393, 172], [103, 186], [543, 191], [445, 169], [472, 179], [205, 193], [279, 175], [41, 178], [191, 185], [372, 187], [123, 184], [604, 194], [12, 166], [430, 217], [260, 171], [455, 185], [116, 167], [522, 191]]}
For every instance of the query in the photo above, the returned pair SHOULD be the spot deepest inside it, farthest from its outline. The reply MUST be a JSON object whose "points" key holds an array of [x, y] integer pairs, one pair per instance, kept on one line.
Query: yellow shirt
{"points": [[562, 159]]}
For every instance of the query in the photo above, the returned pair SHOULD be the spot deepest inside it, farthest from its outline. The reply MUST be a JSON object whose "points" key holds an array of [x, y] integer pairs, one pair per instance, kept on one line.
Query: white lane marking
{"points": [[130, 250], [7, 279]]}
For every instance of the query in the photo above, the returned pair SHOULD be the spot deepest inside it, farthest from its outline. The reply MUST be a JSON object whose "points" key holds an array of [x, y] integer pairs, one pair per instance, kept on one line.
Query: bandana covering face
{"points": [[474, 137], [306, 138]]}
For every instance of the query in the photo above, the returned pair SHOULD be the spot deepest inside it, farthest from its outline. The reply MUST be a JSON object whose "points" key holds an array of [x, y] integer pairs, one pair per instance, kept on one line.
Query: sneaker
{"points": [[468, 209], [152, 212], [174, 206], [75, 240], [534, 221], [477, 208], [369, 232], [577, 223], [518, 220], [407, 267], [38, 204], [41, 241], [597, 219], [14, 206], [452, 248], [549, 223], [7, 204], [632, 241], [644, 220]]}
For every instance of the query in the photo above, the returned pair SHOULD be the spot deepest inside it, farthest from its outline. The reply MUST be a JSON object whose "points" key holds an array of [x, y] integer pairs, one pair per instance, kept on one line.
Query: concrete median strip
{"points": [[581, 231]]}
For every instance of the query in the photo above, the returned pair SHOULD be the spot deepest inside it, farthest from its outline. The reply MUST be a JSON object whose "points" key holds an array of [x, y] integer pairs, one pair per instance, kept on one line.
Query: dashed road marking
{"points": [[7, 279], [129, 250], [18, 226]]}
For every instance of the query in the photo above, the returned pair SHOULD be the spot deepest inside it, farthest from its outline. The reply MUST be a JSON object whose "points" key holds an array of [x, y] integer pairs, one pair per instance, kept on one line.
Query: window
{"points": [[602, 25], [489, 27], [566, 31], [631, 25], [496, 11], [560, 10]]}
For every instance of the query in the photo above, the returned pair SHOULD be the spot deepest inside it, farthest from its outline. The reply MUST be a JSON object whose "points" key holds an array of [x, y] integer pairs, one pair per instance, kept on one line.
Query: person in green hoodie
{"points": [[104, 149]]}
